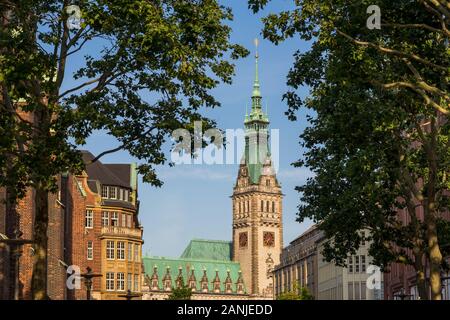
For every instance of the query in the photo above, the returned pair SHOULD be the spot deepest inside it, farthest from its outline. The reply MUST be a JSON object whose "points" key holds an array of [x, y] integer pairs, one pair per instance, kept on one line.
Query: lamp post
{"points": [[88, 281], [130, 295], [15, 246]]}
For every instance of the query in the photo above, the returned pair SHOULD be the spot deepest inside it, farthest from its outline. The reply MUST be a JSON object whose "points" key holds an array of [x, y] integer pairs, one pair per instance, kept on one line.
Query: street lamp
{"points": [[130, 295], [88, 281], [15, 246]]}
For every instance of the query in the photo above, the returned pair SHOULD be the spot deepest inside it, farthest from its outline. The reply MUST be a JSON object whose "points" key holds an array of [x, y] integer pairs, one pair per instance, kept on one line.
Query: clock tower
{"points": [[257, 204]]}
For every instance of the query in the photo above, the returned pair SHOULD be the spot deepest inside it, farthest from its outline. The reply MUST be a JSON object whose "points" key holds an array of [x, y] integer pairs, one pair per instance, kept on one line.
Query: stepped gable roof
{"points": [[199, 255]]}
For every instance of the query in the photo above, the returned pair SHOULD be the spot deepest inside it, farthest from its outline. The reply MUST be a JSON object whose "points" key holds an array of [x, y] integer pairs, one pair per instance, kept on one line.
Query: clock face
{"points": [[243, 239], [269, 239]]}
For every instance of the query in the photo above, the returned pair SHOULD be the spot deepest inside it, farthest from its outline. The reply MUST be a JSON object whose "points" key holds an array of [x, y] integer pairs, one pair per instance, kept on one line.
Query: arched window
{"points": [[273, 206]]}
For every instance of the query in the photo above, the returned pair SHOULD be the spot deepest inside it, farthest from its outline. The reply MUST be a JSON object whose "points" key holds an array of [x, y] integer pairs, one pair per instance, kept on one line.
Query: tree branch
{"points": [[392, 51]]}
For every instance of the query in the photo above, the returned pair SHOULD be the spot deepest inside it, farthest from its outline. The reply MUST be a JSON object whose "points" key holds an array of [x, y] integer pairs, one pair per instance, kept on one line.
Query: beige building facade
{"points": [[354, 282]]}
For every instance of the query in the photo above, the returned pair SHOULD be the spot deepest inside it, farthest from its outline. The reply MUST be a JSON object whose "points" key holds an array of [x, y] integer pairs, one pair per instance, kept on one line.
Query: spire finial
{"points": [[256, 92]]}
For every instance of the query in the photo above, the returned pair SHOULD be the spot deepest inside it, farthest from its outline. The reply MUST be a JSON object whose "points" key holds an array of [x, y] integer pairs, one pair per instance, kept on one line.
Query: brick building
{"points": [[400, 280], [93, 221]]}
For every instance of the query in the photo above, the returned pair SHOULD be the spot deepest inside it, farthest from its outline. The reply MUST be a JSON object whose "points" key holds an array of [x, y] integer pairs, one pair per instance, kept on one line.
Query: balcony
{"points": [[121, 232]]}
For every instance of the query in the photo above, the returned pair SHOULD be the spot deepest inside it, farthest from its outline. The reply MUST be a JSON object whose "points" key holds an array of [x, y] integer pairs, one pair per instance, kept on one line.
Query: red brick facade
{"points": [[68, 237]]}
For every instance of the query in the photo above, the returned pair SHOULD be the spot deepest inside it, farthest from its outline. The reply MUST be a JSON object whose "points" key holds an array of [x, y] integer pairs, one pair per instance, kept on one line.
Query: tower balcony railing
{"points": [[121, 231]]}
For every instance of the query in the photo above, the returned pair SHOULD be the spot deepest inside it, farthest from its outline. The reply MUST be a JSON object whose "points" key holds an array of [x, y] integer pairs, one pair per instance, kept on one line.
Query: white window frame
{"points": [[90, 250], [110, 281], [120, 281], [89, 219], [136, 253], [136, 282], [113, 190], [105, 192], [110, 250], [120, 250], [105, 218], [130, 251], [124, 220], [114, 217], [130, 282]]}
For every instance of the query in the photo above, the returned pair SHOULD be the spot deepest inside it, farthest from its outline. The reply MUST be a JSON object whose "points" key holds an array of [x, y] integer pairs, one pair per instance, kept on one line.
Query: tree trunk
{"points": [[420, 275], [435, 257], [39, 278]]}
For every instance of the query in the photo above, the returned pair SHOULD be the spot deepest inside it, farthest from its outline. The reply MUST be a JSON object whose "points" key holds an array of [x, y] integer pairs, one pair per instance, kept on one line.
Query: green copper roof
{"points": [[199, 255], [188, 266], [255, 123], [208, 250]]}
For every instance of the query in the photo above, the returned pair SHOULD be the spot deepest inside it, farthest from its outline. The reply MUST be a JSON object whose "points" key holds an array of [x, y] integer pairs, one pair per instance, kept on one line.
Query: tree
{"points": [[296, 294], [144, 68], [183, 292], [379, 138]]}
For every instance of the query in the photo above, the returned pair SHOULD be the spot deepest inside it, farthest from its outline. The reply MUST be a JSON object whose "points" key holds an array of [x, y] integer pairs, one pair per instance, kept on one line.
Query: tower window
{"points": [[273, 206], [268, 183], [267, 206], [262, 205]]}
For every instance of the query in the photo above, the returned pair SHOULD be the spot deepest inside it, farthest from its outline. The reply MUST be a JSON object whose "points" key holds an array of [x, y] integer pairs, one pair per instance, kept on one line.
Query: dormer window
{"points": [[104, 191], [112, 192]]}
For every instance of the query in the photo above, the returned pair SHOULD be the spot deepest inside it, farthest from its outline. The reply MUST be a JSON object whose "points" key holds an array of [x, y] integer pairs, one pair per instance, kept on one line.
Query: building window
{"points": [[110, 246], [363, 264], [114, 219], [273, 206], [350, 291], [130, 252], [350, 264], [89, 221], [121, 250], [120, 281], [356, 264], [126, 195], [262, 205], [105, 218], [124, 220], [363, 290], [104, 191], [268, 183], [129, 220], [136, 253], [90, 250], [136, 282], [267, 206], [121, 194], [130, 282], [357, 292], [110, 281], [112, 192]]}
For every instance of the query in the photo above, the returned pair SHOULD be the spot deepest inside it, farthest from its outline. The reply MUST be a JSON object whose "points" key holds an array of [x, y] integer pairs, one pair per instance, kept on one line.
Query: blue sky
{"points": [[194, 201]]}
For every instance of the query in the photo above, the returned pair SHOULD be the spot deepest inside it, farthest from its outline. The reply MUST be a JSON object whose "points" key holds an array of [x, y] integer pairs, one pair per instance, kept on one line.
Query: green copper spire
{"points": [[256, 92], [256, 96]]}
